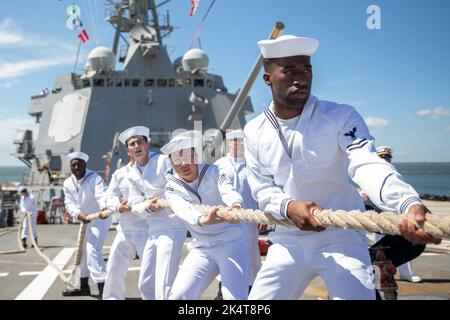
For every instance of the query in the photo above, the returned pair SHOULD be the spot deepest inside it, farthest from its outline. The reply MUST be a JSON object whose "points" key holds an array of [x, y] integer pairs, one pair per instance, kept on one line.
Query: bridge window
{"points": [[199, 83], [179, 82], [149, 82], [99, 82], [119, 83], [171, 82], [187, 82], [162, 82], [109, 82], [127, 82], [209, 83], [136, 82]]}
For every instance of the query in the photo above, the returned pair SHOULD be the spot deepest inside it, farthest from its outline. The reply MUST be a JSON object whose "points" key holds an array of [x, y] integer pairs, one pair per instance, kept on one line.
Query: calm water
{"points": [[431, 178]]}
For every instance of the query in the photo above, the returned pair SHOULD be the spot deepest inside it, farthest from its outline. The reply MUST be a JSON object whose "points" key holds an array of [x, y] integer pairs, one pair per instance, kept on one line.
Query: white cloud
{"points": [[435, 113], [47, 52], [8, 35], [6, 85], [376, 124], [9, 70]]}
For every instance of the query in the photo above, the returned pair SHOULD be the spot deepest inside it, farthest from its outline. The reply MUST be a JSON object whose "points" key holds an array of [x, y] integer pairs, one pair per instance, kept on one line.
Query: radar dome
{"points": [[195, 59], [101, 59]]}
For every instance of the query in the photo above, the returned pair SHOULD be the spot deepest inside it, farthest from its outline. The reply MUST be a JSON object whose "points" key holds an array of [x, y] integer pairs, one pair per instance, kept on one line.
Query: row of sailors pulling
{"points": [[157, 235]]}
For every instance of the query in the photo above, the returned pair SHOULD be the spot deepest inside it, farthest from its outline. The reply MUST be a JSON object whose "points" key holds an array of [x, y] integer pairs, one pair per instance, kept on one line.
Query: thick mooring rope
{"points": [[369, 221]]}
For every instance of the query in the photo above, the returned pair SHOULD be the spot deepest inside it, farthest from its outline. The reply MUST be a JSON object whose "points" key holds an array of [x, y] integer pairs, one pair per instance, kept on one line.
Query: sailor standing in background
{"points": [[28, 203], [217, 247], [132, 232], [300, 154], [166, 233], [233, 166], [84, 194]]}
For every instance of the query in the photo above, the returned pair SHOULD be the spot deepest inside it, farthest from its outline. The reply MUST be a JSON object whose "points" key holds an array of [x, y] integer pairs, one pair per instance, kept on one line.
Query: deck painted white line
{"points": [[29, 273], [431, 254], [4, 274], [37, 289], [134, 269], [36, 273]]}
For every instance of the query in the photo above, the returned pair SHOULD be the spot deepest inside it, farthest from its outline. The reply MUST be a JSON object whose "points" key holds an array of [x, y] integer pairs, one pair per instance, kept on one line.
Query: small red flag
{"points": [[194, 5], [83, 36]]}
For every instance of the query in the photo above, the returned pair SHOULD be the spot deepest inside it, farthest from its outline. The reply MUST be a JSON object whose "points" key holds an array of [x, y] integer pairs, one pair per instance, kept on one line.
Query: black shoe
{"points": [[24, 243], [32, 245], [219, 293], [83, 291], [100, 286], [77, 292]]}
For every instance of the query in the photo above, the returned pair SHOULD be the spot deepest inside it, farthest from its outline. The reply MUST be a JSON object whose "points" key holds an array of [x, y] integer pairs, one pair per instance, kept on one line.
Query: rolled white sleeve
{"points": [[22, 205], [112, 195], [137, 201], [100, 191], [71, 204], [182, 208], [270, 197], [376, 177], [227, 190]]}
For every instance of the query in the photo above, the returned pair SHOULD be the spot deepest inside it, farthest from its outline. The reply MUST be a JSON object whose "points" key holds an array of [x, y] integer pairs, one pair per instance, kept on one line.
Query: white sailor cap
{"points": [[186, 140], [78, 155], [288, 46], [385, 150], [134, 131], [22, 188], [235, 134]]}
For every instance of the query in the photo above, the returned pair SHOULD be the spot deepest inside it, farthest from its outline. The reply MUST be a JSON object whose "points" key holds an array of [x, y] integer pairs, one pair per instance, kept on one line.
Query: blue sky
{"points": [[397, 77]]}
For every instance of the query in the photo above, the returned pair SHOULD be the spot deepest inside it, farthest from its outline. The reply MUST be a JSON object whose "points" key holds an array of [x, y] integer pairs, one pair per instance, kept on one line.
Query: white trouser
{"points": [[340, 257], [92, 258], [160, 261], [201, 265], [406, 270], [255, 256], [123, 250], [25, 229]]}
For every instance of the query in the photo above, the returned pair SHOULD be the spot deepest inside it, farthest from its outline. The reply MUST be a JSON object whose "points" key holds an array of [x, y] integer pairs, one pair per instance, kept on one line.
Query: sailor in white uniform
{"points": [[132, 233], [216, 247], [84, 194], [233, 166], [28, 203], [300, 155], [166, 232]]}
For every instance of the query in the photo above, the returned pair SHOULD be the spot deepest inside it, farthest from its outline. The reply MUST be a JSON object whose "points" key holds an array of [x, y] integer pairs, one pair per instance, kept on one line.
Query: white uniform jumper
{"points": [[313, 159], [166, 232], [131, 237], [87, 196], [220, 248], [236, 171], [29, 204]]}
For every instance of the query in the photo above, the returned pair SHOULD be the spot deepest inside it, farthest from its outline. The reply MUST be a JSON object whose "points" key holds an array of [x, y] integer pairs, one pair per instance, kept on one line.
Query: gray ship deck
{"points": [[27, 276]]}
